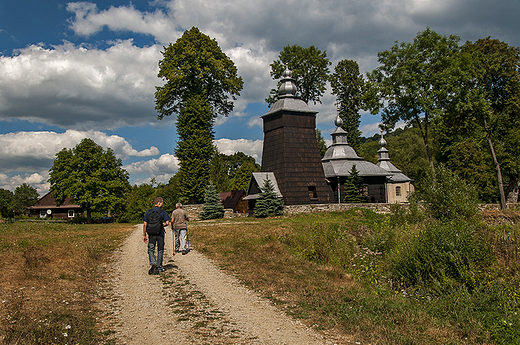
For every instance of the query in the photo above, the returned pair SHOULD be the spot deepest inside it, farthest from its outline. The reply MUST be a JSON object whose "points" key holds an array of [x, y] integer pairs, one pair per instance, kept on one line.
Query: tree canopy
{"points": [[413, 83], [486, 103], [195, 64], [23, 197], [310, 67], [6, 198], [348, 86], [93, 177], [201, 83]]}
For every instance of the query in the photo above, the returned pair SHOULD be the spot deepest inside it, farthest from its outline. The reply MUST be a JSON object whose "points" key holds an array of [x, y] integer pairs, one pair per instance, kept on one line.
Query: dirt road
{"points": [[192, 302]]}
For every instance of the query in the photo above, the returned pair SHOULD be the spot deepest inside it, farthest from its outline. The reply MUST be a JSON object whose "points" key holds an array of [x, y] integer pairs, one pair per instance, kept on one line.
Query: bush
{"points": [[447, 196], [441, 256]]}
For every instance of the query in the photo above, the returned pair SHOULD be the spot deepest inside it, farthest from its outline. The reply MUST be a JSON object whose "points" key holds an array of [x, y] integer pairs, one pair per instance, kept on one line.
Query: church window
{"points": [[312, 193]]}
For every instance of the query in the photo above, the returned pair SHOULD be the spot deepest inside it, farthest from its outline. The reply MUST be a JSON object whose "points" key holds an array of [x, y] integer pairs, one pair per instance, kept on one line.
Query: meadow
{"points": [[50, 275], [399, 278]]}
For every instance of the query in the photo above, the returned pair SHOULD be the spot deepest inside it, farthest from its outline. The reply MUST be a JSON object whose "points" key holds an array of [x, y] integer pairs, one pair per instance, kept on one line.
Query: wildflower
{"points": [[68, 327], [65, 334]]}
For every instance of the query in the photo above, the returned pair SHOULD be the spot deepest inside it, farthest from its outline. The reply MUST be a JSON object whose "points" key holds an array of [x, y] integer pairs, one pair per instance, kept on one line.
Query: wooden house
{"points": [[234, 200], [47, 208]]}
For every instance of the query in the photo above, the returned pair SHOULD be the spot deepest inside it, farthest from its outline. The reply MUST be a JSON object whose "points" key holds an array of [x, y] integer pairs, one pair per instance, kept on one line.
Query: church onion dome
{"points": [[340, 157], [287, 100], [287, 87]]}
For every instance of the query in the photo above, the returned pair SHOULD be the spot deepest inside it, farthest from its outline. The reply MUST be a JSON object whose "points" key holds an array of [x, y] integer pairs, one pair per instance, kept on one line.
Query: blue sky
{"points": [[70, 70]]}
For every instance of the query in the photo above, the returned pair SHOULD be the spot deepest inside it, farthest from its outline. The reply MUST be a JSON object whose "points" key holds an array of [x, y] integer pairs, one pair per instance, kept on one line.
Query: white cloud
{"points": [[80, 87], [370, 129], [251, 148], [36, 180], [89, 20], [24, 151], [166, 163]]}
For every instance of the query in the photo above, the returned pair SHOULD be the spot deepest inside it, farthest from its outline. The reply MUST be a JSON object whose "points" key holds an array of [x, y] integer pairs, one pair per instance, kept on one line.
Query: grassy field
{"points": [[374, 279], [340, 271], [49, 277]]}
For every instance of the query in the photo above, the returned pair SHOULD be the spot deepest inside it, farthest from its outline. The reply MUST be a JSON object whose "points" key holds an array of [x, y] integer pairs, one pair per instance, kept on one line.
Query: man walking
{"points": [[179, 225], [155, 220]]}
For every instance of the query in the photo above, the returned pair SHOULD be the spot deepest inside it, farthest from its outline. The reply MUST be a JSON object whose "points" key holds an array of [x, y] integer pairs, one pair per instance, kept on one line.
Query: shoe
{"points": [[160, 269], [152, 269], [184, 252]]}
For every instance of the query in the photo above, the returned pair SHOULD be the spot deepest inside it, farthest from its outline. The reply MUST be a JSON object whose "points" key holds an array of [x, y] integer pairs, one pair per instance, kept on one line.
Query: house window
{"points": [[398, 191], [71, 213], [312, 192]]}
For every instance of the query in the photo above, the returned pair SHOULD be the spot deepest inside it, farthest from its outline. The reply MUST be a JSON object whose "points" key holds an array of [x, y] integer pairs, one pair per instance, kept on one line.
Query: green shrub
{"points": [[442, 256], [447, 196]]}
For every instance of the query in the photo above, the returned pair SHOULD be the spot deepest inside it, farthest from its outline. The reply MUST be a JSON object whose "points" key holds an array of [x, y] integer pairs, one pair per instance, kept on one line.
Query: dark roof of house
{"points": [[47, 201], [230, 199]]}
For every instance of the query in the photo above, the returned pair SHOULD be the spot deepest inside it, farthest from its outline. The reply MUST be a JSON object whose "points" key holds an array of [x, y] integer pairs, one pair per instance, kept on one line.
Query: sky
{"points": [[74, 70]]}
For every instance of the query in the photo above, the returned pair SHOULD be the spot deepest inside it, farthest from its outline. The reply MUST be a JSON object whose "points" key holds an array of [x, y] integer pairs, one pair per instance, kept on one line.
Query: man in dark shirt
{"points": [[153, 240]]}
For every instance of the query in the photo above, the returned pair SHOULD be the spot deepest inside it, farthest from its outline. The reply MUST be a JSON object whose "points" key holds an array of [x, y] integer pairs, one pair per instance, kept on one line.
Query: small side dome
{"points": [[382, 141], [338, 121]]}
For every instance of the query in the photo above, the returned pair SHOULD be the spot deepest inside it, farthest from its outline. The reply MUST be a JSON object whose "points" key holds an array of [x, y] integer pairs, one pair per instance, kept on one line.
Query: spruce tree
{"points": [[353, 187], [268, 204], [212, 207]]}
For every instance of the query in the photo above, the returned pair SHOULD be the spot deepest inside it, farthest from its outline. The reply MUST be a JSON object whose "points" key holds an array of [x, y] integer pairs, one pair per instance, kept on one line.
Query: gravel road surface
{"points": [[192, 302]]}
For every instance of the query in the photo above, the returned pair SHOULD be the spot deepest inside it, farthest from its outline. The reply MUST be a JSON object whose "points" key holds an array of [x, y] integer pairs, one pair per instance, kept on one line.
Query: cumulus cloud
{"points": [[36, 180], [96, 85], [89, 20], [26, 151], [251, 148], [80, 87]]}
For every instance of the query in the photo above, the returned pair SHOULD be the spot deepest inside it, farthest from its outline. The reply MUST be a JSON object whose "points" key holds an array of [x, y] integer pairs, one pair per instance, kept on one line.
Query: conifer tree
{"points": [[212, 207], [353, 187], [268, 204]]}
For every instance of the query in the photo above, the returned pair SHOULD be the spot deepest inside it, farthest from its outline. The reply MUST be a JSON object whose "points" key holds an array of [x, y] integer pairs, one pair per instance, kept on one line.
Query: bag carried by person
{"points": [[154, 224]]}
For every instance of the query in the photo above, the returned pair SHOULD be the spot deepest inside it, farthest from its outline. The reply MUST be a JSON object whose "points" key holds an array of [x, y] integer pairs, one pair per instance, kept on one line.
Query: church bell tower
{"points": [[291, 150]]}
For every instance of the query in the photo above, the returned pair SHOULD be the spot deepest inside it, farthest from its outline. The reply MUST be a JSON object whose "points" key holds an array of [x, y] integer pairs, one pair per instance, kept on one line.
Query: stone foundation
{"points": [[195, 209]]}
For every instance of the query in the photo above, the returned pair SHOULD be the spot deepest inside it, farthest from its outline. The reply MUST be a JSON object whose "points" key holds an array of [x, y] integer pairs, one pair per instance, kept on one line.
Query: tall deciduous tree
{"points": [[413, 82], [6, 198], [23, 197], [322, 145], [92, 176], [243, 175], [348, 85], [201, 83], [489, 101], [310, 67]]}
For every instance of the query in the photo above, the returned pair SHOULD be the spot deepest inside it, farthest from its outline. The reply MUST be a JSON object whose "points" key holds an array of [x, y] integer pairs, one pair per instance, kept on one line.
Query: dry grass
{"points": [[49, 280], [260, 252]]}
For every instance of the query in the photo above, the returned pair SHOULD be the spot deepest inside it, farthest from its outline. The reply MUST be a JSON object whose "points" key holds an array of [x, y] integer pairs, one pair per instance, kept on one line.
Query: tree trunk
{"points": [[503, 204], [424, 134], [513, 188]]}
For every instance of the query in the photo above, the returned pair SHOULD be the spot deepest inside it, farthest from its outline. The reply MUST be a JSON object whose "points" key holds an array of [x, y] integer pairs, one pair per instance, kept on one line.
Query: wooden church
{"points": [[291, 159], [291, 150]]}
